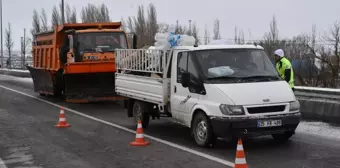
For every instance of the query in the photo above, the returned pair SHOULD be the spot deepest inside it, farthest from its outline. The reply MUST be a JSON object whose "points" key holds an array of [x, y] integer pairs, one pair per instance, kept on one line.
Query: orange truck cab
{"points": [[77, 61]]}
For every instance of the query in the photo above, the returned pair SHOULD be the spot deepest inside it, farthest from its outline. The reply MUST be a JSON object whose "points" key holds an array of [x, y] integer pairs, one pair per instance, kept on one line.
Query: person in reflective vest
{"points": [[284, 67]]}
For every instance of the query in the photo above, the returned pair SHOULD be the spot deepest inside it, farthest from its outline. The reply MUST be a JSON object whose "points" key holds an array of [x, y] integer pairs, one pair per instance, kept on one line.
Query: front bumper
{"points": [[247, 126]]}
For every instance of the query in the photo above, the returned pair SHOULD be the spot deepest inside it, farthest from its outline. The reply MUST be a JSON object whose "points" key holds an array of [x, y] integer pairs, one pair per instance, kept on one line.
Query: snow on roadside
{"points": [[319, 128], [8, 77], [14, 70]]}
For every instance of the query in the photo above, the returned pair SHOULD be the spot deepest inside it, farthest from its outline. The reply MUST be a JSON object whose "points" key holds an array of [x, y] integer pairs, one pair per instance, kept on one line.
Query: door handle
{"points": [[175, 89]]}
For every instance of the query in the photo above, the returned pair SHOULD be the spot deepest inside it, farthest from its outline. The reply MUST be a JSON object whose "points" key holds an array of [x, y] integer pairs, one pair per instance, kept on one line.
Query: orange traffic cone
{"points": [[240, 161], [62, 120], [140, 141]]}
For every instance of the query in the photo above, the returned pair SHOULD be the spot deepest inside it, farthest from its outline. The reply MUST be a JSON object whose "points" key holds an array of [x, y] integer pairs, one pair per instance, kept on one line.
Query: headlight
{"points": [[294, 106], [231, 109]]}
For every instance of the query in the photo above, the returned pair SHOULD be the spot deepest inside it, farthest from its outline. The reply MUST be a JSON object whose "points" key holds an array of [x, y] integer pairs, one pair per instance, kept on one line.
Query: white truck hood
{"points": [[257, 93]]}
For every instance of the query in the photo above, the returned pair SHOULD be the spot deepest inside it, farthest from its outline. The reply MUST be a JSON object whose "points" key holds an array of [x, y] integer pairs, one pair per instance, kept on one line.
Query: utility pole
{"points": [[23, 49], [22, 52], [62, 12], [2, 51], [190, 32]]}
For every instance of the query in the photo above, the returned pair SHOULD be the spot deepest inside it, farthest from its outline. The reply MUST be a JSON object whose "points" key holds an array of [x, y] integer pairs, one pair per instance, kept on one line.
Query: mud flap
{"points": [[42, 80], [89, 87]]}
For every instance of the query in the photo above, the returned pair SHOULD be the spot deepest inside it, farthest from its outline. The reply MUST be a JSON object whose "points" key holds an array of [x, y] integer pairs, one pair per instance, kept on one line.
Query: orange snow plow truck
{"points": [[77, 61]]}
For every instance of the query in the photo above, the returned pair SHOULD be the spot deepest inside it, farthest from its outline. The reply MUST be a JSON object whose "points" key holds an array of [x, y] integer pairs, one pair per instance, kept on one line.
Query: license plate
{"points": [[269, 123]]}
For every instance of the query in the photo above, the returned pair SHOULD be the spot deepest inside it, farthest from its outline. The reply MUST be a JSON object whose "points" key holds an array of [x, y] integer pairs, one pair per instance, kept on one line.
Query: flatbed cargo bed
{"points": [[148, 89], [140, 75]]}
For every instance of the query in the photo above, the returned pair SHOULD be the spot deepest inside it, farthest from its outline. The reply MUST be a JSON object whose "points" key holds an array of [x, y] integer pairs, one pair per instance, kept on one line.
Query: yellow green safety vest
{"points": [[281, 66]]}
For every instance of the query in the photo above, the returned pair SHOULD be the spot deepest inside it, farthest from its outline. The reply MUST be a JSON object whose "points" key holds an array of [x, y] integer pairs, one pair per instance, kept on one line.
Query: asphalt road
{"points": [[27, 125]]}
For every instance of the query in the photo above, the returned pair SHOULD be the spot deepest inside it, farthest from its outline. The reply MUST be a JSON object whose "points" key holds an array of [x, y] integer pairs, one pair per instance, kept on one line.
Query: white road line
{"points": [[210, 157], [2, 164]]}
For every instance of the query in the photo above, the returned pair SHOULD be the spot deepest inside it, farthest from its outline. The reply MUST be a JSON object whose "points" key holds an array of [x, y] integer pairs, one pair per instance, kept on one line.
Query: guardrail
{"points": [[314, 93]]}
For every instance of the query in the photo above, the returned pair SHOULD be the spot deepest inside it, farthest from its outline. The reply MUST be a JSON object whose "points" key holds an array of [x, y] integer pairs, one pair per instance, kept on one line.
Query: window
{"points": [[237, 63], [104, 41], [182, 64], [257, 59], [191, 67]]}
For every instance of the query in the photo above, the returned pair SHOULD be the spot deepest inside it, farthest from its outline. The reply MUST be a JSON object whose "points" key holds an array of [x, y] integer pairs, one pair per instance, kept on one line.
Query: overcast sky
{"points": [[293, 16]]}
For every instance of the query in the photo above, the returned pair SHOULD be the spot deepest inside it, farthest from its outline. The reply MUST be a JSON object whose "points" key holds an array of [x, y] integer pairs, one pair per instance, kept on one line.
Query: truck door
{"points": [[182, 100]]}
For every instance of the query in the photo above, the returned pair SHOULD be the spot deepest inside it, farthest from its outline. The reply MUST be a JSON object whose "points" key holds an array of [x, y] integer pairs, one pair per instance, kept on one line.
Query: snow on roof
{"points": [[207, 47]]}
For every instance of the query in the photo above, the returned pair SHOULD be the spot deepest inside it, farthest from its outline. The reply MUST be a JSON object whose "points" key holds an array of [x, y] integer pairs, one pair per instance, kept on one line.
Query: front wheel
{"points": [[202, 131], [283, 137], [140, 112]]}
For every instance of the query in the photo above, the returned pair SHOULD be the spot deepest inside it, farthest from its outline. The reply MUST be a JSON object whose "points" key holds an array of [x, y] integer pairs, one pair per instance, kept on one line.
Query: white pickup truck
{"points": [[226, 91]]}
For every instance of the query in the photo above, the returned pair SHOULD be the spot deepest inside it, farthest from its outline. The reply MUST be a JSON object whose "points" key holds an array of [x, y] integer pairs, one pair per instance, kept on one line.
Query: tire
{"points": [[58, 86], [140, 110], [283, 137], [42, 94], [201, 137], [126, 103]]}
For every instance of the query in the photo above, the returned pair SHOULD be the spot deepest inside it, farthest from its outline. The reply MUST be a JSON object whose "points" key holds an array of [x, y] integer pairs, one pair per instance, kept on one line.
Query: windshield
{"points": [[101, 41], [235, 63]]}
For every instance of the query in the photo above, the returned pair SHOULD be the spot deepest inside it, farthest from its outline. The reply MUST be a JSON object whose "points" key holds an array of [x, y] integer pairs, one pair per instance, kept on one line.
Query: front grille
{"points": [[266, 109]]}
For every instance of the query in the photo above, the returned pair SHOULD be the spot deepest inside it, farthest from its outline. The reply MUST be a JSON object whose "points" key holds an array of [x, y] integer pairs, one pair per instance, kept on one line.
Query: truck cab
{"points": [[227, 91], [95, 45]]}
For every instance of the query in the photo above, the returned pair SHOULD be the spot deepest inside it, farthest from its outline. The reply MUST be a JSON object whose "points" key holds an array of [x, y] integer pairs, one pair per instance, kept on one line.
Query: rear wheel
{"points": [[58, 83], [283, 137], [202, 131], [140, 110]]}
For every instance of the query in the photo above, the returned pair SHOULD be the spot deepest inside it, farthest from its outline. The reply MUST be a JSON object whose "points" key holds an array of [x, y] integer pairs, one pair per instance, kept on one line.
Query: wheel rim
{"points": [[201, 130]]}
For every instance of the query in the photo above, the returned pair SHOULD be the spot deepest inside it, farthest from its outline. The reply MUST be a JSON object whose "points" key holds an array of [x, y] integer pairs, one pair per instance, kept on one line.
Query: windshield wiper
{"points": [[267, 77], [225, 77]]}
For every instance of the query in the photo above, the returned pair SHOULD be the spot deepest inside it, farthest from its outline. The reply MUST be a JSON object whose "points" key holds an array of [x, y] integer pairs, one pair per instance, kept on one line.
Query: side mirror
{"points": [[134, 41], [185, 79], [70, 38], [70, 57]]}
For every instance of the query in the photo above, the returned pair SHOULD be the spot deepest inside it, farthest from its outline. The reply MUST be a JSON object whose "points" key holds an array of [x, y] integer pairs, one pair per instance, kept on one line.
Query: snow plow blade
{"points": [[90, 87], [42, 80]]}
